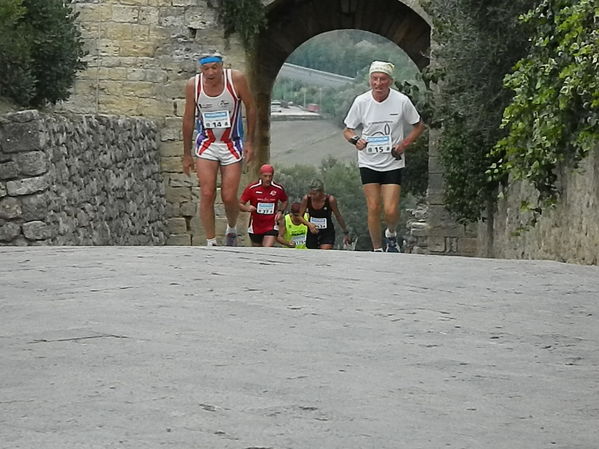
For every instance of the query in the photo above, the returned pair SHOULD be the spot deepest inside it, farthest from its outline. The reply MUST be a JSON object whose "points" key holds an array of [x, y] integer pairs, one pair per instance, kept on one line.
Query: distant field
{"points": [[307, 142]]}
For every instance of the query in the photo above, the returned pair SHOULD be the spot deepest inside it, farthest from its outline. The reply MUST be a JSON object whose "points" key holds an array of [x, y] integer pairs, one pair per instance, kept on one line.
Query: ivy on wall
{"points": [[477, 44], [245, 17], [553, 120]]}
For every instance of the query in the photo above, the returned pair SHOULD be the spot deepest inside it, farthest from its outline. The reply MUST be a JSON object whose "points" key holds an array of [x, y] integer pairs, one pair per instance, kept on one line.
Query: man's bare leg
{"points": [[372, 193], [207, 171], [229, 189]]}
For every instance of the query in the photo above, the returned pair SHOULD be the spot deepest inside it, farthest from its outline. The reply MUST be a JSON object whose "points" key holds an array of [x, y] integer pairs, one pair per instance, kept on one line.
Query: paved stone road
{"points": [[180, 347]]}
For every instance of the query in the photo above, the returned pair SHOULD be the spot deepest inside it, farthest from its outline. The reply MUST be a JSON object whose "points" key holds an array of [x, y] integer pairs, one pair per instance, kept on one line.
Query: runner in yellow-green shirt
{"points": [[292, 232]]}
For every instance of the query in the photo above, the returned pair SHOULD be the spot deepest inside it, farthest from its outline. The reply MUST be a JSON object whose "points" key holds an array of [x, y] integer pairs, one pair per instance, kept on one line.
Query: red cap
{"points": [[266, 168]]}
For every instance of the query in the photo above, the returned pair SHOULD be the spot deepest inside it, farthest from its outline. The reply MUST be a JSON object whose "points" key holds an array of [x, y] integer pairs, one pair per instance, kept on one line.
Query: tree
{"points": [[40, 51], [478, 43], [17, 81]]}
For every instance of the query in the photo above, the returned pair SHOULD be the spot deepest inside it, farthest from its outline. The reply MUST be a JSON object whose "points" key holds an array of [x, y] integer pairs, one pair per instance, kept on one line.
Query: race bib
{"points": [[299, 240], [265, 208], [378, 144], [216, 119], [321, 223]]}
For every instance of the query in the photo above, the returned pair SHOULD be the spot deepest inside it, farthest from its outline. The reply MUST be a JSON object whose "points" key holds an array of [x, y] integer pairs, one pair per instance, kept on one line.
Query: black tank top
{"points": [[324, 212]]}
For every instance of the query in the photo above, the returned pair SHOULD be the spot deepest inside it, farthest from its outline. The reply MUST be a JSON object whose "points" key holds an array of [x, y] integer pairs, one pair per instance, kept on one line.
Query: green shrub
{"points": [[40, 51], [17, 81]]}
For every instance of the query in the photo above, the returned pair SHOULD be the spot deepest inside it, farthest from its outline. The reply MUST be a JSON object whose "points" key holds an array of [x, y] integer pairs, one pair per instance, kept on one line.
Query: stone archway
{"points": [[291, 23]]}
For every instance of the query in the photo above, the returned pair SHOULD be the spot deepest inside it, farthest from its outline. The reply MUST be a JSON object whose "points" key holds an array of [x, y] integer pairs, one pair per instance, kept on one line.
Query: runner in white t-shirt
{"points": [[390, 123]]}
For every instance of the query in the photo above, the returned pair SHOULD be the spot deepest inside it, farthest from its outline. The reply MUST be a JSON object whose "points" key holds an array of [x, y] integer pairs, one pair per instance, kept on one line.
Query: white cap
{"points": [[383, 67]]}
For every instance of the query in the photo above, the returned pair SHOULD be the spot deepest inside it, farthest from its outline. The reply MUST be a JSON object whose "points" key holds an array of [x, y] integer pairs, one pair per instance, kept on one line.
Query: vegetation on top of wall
{"points": [[478, 43], [40, 51], [245, 17], [553, 120]]}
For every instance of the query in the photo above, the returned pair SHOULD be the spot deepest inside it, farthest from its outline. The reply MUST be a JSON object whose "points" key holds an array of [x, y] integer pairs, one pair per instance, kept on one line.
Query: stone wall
{"points": [[568, 233], [80, 180]]}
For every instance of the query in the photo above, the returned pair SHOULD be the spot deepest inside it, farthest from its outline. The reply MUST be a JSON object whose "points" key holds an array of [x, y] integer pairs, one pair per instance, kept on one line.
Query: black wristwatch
{"points": [[354, 140]]}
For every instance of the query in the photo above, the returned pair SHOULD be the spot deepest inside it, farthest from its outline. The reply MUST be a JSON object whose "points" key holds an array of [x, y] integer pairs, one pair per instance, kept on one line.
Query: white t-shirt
{"points": [[392, 117]]}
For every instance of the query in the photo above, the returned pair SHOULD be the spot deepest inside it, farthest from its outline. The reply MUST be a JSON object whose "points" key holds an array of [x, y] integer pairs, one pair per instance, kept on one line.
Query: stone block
{"points": [[436, 245], [111, 74], [101, 12], [173, 165], [177, 194], [436, 181], [33, 163], [136, 74], [181, 180], [152, 107], [177, 225], [9, 231], [189, 209], [467, 247], [117, 31], [142, 89], [156, 75], [148, 15], [158, 2], [113, 104], [178, 240], [37, 230], [125, 14], [140, 2], [8, 170], [27, 186], [184, 2], [435, 197], [20, 137], [3, 191], [137, 48], [106, 48], [178, 107], [10, 208], [451, 245]]}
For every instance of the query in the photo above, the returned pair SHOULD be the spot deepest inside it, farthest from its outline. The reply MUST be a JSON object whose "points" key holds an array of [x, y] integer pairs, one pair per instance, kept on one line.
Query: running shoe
{"points": [[392, 245], [231, 239]]}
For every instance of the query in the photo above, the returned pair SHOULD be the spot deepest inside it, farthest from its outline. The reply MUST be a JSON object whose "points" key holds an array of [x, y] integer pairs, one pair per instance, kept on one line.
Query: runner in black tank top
{"points": [[321, 207]]}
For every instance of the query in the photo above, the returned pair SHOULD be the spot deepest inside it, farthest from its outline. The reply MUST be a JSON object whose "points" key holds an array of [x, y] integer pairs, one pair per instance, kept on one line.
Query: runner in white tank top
{"points": [[218, 122], [213, 102]]}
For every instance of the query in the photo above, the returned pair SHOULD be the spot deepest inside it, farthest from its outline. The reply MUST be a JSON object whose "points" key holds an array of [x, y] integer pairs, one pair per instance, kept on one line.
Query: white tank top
{"points": [[218, 119]]}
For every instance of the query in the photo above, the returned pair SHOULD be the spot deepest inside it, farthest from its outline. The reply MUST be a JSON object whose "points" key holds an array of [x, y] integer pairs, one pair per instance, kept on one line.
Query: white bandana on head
{"points": [[382, 67]]}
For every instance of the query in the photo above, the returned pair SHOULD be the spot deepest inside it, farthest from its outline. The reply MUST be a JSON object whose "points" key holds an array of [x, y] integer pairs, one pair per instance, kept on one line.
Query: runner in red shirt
{"points": [[265, 211]]}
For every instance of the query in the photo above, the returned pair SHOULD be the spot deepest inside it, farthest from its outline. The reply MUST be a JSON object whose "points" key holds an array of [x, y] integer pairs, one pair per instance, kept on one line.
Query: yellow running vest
{"points": [[296, 233]]}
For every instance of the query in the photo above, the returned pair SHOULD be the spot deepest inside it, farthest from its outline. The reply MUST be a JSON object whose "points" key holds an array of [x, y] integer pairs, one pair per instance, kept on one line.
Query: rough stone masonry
{"points": [[80, 180]]}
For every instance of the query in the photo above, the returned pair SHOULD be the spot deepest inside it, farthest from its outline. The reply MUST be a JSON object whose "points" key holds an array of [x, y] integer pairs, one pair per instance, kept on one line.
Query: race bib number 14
{"points": [[216, 119]]}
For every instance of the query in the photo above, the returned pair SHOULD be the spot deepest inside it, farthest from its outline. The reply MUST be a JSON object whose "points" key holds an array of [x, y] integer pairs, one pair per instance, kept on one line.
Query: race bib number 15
{"points": [[378, 144]]}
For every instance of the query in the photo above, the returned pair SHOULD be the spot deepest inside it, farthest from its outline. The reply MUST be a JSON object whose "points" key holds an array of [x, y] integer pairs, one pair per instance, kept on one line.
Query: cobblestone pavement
{"points": [[191, 347]]}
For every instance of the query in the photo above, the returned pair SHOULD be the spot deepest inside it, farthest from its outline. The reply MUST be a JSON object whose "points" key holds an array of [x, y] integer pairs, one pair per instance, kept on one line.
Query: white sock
{"points": [[389, 233], [378, 250], [211, 242], [231, 230]]}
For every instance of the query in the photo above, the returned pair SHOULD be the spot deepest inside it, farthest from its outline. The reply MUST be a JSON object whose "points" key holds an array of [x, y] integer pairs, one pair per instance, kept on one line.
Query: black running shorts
{"points": [[257, 238], [370, 176]]}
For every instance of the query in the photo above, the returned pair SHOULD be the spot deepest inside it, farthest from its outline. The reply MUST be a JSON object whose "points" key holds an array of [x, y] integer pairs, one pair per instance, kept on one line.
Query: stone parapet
{"points": [[80, 180], [568, 233]]}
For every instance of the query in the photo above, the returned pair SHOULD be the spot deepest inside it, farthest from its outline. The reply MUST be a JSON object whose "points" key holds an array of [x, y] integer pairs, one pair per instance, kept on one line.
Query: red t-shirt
{"points": [[265, 199]]}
